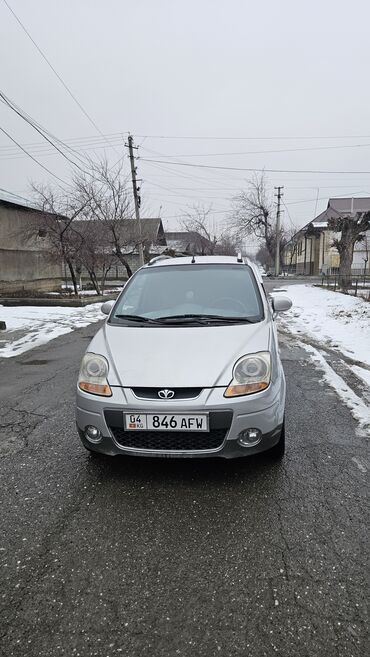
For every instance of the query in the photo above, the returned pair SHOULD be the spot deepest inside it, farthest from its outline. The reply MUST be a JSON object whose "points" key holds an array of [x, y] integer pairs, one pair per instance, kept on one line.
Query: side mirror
{"points": [[107, 307], [280, 304]]}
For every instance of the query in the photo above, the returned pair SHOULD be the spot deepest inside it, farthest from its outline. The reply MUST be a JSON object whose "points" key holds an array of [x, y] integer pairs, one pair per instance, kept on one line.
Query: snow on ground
{"points": [[363, 374], [359, 410], [334, 319], [31, 326]]}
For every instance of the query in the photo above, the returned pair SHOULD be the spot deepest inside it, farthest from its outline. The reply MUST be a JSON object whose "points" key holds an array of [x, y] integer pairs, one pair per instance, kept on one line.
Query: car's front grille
{"points": [[165, 394], [169, 441]]}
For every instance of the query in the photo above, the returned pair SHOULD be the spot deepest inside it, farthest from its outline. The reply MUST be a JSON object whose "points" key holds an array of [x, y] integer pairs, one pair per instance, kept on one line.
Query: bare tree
{"points": [[203, 239], [253, 214], [104, 192], [55, 223], [288, 246], [196, 223], [95, 254], [351, 227], [227, 244], [91, 226], [264, 257]]}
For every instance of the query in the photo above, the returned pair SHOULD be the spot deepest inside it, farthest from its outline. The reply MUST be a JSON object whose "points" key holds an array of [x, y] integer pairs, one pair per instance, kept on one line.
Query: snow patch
{"points": [[32, 326], [359, 410], [362, 373], [337, 320]]}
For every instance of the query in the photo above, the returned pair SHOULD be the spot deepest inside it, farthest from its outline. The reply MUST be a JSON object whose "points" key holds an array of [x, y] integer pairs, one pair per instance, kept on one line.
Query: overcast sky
{"points": [[207, 76]]}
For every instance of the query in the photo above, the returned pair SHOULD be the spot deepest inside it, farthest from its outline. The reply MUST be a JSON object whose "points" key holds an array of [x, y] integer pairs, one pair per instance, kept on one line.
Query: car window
{"points": [[223, 290], [133, 294]]}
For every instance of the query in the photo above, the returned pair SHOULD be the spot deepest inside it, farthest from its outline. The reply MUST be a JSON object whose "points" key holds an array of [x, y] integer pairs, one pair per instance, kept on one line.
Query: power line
{"points": [[31, 156], [117, 136], [48, 152], [89, 140], [288, 213], [279, 150], [43, 132], [45, 151], [54, 70], [259, 138], [188, 175], [36, 127], [324, 198], [224, 168]]}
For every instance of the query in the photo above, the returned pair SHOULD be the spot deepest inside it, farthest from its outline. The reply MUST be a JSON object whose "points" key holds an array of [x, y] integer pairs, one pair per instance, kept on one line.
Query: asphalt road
{"points": [[163, 558]]}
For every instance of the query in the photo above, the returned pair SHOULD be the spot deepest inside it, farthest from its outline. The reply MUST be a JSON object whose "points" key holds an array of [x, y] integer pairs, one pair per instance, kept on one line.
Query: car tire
{"points": [[277, 451]]}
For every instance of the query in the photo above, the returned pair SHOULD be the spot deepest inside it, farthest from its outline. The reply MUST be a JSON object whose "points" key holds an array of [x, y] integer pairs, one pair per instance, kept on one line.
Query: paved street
{"points": [[162, 558]]}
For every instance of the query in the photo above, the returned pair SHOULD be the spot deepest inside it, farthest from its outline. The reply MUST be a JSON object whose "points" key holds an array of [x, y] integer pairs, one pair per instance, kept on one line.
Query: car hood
{"points": [[177, 356]]}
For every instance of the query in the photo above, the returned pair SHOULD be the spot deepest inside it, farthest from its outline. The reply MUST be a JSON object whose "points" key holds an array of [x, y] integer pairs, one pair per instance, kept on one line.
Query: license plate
{"points": [[161, 422]]}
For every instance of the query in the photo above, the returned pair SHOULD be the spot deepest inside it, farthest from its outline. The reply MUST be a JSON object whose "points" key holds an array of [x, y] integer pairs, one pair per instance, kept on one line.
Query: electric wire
{"points": [[73, 141], [225, 168], [37, 127], [54, 70], [48, 152], [44, 132], [255, 138], [33, 158], [279, 150]]}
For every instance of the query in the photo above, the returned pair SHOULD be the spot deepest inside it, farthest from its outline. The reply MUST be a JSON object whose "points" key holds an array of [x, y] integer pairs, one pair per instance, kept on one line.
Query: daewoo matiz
{"points": [[186, 365]]}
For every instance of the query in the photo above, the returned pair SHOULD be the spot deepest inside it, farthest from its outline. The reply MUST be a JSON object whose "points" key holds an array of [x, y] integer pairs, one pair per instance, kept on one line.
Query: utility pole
{"points": [[278, 212], [137, 201]]}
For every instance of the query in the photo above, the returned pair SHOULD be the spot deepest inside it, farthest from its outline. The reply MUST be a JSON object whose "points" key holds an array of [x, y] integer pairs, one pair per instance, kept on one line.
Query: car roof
{"points": [[165, 261]]}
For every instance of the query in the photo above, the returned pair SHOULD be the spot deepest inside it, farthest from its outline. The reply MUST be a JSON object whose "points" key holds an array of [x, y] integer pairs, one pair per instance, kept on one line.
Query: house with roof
{"points": [[27, 259], [311, 249], [189, 242], [151, 235]]}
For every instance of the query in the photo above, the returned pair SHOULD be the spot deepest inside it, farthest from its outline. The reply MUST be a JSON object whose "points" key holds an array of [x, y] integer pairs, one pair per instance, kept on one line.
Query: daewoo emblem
{"points": [[166, 394]]}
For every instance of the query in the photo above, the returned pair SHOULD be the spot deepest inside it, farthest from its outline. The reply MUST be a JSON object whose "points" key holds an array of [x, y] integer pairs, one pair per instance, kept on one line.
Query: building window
{"points": [[42, 232]]}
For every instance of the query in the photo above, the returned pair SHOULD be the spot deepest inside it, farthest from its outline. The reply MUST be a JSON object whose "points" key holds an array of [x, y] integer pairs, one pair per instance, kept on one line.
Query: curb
{"points": [[74, 303]]}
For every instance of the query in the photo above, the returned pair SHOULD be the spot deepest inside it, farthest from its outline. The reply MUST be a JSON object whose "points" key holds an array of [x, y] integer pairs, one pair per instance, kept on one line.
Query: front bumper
{"points": [[228, 417]]}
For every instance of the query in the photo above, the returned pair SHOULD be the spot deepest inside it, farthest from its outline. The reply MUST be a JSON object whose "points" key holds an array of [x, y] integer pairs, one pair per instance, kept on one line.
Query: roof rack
{"points": [[157, 258]]}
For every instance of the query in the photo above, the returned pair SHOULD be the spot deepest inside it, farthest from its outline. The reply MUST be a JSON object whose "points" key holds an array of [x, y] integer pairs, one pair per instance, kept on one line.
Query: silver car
{"points": [[186, 365]]}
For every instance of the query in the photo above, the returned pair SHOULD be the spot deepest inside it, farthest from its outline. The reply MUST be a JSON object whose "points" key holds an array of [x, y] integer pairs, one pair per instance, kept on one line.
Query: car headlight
{"points": [[251, 374], [93, 375]]}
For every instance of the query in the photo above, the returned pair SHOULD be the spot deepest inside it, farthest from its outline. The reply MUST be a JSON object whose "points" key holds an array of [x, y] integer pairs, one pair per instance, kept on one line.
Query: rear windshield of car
{"points": [[220, 291]]}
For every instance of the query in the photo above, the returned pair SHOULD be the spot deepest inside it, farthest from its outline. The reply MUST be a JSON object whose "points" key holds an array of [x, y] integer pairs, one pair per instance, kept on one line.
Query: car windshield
{"points": [[186, 294]]}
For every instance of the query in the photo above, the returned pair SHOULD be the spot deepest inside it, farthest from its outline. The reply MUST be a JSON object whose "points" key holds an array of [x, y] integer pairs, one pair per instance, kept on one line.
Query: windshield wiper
{"points": [[203, 319], [138, 318]]}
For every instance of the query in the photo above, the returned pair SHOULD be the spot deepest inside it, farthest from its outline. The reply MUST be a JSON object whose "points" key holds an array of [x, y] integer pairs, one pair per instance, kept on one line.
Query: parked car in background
{"points": [[186, 365]]}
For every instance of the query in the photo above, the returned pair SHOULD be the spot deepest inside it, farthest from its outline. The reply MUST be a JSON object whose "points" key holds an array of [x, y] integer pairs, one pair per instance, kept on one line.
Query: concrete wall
{"points": [[24, 259]]}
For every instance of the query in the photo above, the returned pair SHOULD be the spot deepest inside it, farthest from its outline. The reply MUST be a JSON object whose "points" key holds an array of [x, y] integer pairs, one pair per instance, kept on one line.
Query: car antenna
{"points": [[193, 260]]}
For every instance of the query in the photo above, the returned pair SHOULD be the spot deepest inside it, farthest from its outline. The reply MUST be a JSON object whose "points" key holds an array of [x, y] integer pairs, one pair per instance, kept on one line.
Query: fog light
{"points": [[249, 437], [92, 434]]}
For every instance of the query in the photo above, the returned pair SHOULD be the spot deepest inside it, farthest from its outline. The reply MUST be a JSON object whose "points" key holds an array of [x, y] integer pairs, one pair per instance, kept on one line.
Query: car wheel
{"points": [[278, 450]]}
